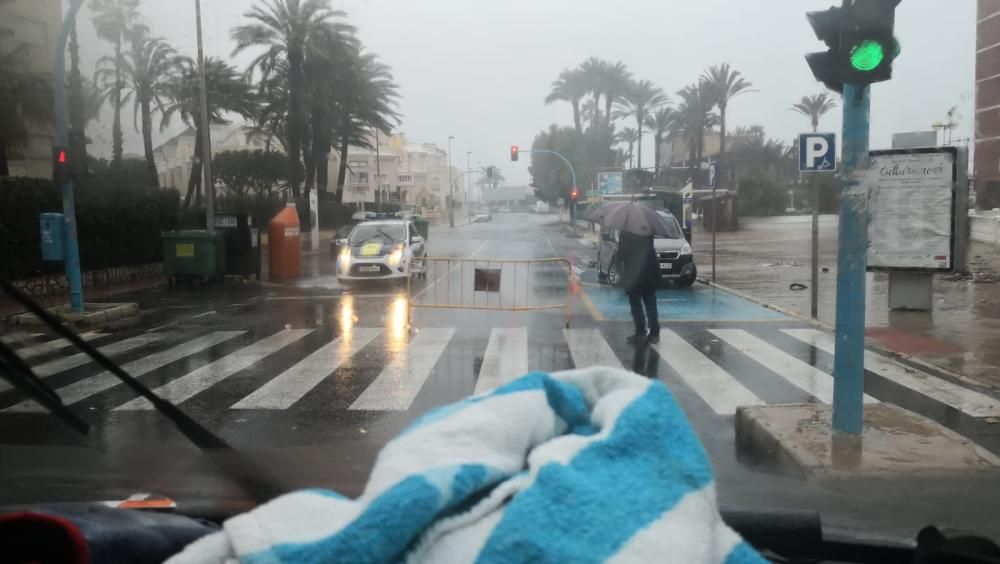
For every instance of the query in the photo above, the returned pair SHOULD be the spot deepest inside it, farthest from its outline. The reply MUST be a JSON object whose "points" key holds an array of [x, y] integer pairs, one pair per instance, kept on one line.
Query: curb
{"points": [[905, 359], [98, 318]]}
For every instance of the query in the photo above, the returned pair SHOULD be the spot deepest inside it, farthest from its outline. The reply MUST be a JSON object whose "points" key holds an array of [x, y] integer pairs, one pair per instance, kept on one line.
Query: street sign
{"points": [[688, 199], [610, 181], [712, 170], [817, 152]]}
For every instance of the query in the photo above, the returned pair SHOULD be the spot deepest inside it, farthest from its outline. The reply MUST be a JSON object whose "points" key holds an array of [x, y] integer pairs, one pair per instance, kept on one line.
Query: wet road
{"points": [[310, 380]]}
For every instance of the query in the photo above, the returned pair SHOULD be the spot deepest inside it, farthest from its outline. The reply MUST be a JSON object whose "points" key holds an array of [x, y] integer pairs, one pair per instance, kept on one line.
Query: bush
{"points": [[761, 194], [115, 226]]}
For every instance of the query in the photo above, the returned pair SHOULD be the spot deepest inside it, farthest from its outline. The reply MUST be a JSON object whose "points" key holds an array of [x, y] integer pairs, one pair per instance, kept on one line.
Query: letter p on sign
{"points": [[817, 152]]}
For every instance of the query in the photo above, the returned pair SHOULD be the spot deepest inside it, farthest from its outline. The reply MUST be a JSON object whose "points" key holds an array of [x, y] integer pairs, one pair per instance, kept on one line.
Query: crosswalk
{"points": [[746, 367]]}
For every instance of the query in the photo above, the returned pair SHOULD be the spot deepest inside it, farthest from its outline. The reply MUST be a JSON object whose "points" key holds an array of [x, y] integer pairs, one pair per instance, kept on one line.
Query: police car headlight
{"points": [[395, 257], [686, 249], [345, 258]]}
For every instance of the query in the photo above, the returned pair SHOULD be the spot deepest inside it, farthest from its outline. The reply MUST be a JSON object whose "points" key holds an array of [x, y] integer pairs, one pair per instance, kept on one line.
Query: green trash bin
{"points": [[422, 225], [193, 254]]}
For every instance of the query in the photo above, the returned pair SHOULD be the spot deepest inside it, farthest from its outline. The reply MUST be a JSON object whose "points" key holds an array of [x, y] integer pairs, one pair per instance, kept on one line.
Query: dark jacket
{"points": [[640, 268]]}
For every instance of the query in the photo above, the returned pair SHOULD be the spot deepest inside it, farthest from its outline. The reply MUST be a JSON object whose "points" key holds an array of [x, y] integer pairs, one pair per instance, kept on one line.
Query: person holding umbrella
{"points": [[639, 265]]}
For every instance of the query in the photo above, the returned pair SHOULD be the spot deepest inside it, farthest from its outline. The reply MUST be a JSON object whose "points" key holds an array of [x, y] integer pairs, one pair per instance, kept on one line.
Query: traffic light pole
{"points": [[852, 261], [73, 276], [572, 171]]}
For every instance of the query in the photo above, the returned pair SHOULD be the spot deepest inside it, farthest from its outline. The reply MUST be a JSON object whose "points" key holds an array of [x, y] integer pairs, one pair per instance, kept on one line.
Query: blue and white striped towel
{"points": [[588, 465]]}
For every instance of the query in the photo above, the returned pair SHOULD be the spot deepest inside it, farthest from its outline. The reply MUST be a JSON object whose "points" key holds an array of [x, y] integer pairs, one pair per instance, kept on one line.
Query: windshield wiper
{"points": [[380, 233], [254, 481], [19, 374]]}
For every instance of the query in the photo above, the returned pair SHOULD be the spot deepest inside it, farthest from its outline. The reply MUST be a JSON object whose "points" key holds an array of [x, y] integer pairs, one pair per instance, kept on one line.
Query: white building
{"points": [[174, 157]]}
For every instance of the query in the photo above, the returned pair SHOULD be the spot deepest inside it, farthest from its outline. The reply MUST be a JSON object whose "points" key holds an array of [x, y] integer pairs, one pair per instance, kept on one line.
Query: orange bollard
{"points": [[285, 245]]}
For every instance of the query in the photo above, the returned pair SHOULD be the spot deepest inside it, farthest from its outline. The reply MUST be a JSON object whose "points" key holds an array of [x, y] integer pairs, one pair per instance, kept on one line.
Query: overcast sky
{"points": [[480, 70]]}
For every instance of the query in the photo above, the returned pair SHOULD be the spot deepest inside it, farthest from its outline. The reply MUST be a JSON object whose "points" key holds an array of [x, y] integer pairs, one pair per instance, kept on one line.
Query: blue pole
{"points": [[852, 260], [62, 139]]}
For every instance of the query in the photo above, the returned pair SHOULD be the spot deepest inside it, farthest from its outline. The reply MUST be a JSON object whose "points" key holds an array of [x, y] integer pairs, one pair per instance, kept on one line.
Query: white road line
{"points": [[506, 358], [717, 388], [114, 349], [588, 348], [193, 383], [94, 385], [404, 375], [962, 399], [291, 385], [450, 271], [808, 378], [15, 338], [28, 353]]}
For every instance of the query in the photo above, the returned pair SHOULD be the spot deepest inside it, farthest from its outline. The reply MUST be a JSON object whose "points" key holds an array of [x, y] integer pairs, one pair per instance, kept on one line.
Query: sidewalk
{"points": [[961, 335]]}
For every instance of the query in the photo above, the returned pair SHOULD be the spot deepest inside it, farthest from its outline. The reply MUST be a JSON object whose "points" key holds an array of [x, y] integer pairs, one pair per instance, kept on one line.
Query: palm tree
{"points": [[659, 123], [287, 28], [366, 101], [114, 20], [814, 107], [638, 101], [693, 118], [592, 74], [629, 136], [227, 93], [24, 96], [723, 84], [149, 66], [616, 80], [571, 86]]}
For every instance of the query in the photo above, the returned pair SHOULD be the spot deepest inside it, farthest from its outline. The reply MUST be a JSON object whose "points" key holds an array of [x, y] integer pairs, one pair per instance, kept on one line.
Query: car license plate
{"points": [[373, 268], [666, 266]]}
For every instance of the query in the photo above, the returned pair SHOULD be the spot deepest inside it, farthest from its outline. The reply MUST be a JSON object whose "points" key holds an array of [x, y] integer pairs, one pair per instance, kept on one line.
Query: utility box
{"points": [[53, 230], [285, 245]]}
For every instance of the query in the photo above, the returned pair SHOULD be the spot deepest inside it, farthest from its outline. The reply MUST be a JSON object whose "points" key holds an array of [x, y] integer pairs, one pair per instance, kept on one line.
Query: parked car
{"points": [[673, 253], [505, 209], [389, 249], [482, 217], [541, 207]]}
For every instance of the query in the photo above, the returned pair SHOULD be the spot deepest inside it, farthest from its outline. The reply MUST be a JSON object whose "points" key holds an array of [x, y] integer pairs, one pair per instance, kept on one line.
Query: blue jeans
{"points": [[636, 300]]}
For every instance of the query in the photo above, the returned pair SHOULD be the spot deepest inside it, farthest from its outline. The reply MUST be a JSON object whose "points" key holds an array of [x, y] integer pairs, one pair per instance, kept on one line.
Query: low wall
{"points": [[56, 283]]}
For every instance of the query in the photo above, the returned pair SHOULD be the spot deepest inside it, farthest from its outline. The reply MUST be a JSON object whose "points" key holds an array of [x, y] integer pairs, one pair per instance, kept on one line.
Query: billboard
{"points": [[610, 181]]}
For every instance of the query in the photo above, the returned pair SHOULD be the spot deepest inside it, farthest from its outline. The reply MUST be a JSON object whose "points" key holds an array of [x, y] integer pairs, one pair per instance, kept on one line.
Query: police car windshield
{"points": [[377, 232]]}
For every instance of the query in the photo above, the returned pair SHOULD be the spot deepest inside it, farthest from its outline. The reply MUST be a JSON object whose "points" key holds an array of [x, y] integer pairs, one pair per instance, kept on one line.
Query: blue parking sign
{"points": [[817, 152]]}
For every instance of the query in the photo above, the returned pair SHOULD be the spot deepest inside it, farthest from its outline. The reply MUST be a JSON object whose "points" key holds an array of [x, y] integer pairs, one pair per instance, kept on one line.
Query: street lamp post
{"points": [[206, 140], [73, 276], [468, 191], [451, 187]]}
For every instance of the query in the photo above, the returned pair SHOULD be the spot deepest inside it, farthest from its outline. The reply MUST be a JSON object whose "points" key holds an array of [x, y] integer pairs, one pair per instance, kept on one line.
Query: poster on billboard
{"points": [[610, 181], [912, 210]]}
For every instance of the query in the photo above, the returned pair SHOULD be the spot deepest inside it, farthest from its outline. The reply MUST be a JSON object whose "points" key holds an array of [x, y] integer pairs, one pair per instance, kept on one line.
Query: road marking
{"points": [[114, 349], [193, 383], [506, 358], [450, 271], [400, 381], [94, 385], [28, 353], [588, 348], [961, 398], [15, 338], [718, 388], [291, 385], [808, 378]]}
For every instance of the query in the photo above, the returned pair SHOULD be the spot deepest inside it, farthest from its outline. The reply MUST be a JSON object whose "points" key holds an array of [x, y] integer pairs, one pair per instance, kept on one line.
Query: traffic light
{"points": [[513, 153], [861, 43], [60, 165], [574, 194]]}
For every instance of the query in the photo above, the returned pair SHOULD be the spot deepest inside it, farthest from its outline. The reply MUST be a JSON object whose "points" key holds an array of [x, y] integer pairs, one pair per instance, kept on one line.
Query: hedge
{"points": [[116, 226]]}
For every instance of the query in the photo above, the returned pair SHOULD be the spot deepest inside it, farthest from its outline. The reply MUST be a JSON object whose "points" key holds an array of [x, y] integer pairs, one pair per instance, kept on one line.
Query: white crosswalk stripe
{"points": [[808, 378], [588, 348], [94, 385], [400, 382], [506, 358], [193, 383], [28, 353], [15, 338], [962, 399], [718, 388], [111, 350], [291, 385]]}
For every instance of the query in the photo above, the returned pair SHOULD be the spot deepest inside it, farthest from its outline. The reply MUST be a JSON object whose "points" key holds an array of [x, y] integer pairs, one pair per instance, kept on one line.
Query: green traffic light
{"points": [[867, 55]]}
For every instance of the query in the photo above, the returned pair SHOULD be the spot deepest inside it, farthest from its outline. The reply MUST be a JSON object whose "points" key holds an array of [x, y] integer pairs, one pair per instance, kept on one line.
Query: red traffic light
{"points": [[61, 159], [513, 152], [574, 194]]}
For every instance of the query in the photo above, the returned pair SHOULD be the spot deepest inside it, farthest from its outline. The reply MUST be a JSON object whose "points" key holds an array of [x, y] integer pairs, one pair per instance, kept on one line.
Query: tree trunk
{"points": [[608, 102], [639, 141], [576, 116], [194, 182], [147, 143], [692, 166], [657, 140], [117, 137], [77, 120], [720, 171], [295, 118], [342, 173]]}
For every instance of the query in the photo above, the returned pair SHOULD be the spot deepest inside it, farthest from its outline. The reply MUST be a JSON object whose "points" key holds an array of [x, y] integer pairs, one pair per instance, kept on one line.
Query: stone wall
{"points": [[57, 284]]}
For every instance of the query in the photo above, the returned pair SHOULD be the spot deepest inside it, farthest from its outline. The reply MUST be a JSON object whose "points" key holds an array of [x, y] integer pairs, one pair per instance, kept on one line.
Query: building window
{"points": [[359, 177], [406, 178]]}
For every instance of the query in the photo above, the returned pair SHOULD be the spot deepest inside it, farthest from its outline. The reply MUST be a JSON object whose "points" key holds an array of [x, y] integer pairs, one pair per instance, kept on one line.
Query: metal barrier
{"points": [[495, 285]]}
